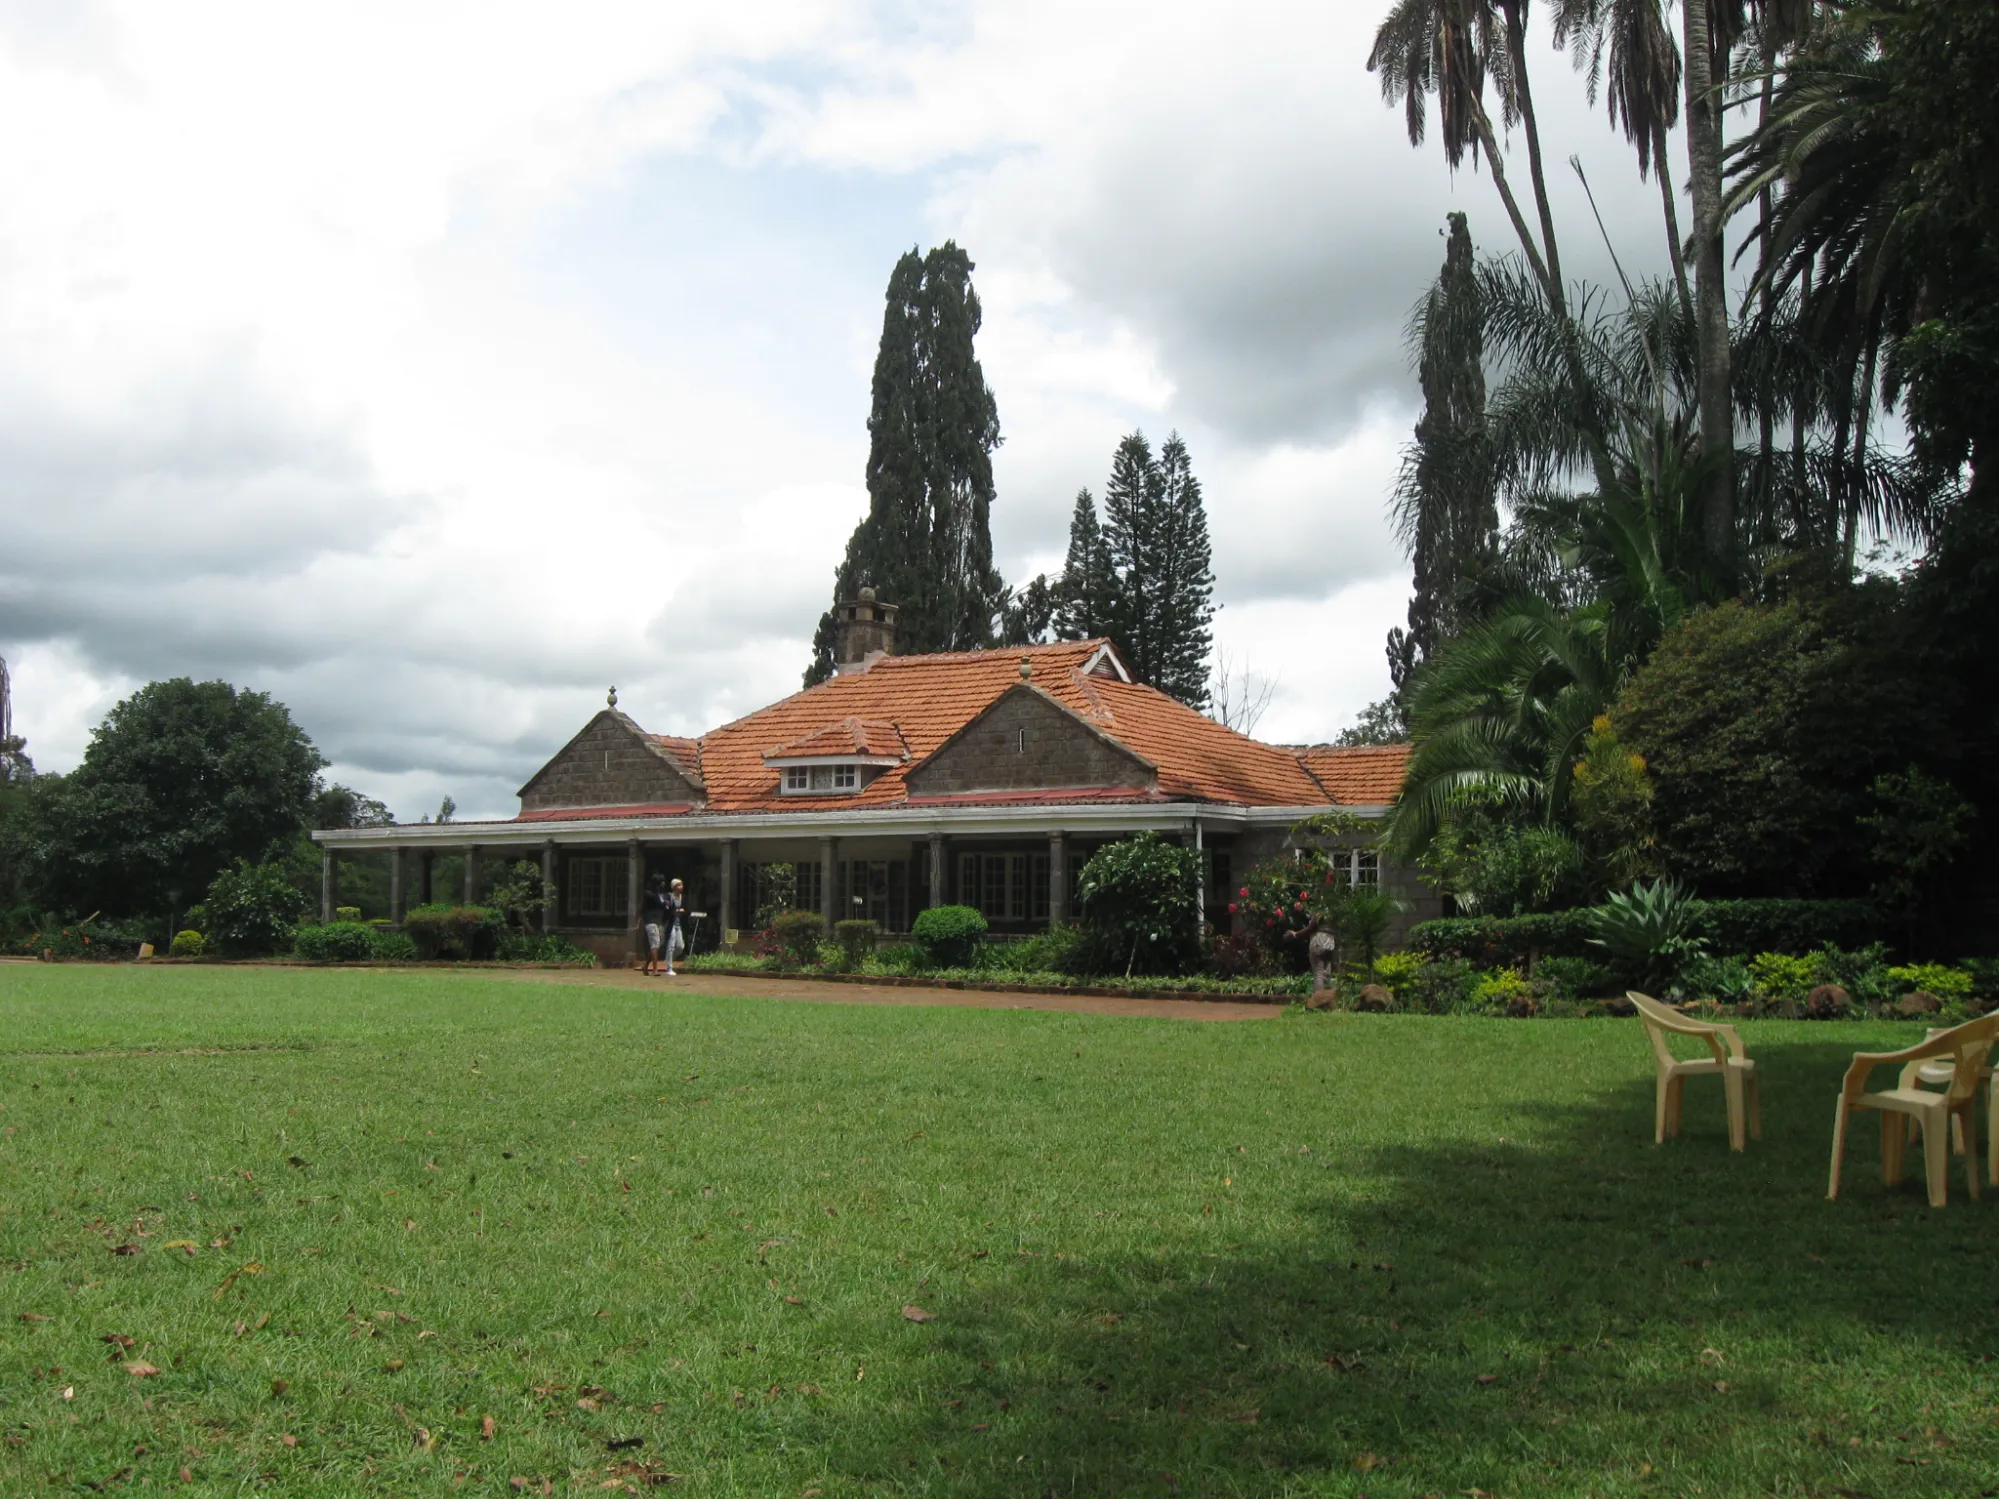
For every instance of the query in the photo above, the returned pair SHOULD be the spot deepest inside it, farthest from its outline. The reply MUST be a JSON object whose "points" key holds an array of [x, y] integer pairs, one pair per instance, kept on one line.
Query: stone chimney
{"points": [[864, 634]]}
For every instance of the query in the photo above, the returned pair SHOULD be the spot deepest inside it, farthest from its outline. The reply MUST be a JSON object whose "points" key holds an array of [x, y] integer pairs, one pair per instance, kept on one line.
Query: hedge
{"points": [[1729, 927]]}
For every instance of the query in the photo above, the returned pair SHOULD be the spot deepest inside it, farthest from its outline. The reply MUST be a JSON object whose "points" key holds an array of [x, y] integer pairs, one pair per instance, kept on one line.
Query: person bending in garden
{"points": [[653, 915]]}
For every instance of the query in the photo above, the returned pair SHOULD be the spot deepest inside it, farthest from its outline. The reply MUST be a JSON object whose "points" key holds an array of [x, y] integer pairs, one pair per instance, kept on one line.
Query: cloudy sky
{"points": [[434, 367]]}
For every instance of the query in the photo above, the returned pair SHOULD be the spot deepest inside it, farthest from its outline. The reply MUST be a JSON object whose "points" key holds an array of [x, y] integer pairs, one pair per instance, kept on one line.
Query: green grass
{"points": [[1163, 1257]]}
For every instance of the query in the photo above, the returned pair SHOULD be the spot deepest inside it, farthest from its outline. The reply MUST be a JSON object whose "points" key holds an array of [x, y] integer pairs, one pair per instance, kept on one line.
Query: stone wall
{"points": [[1026, 742], [610, 764]]}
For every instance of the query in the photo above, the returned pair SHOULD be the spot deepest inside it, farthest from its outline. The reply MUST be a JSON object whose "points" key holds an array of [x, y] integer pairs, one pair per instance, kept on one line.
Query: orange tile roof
{"points": [[1358, 775], [849, 737], [910, 705]]}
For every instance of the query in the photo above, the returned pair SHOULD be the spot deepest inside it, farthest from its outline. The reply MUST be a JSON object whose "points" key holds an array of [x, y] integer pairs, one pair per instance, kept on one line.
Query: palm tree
{"points": [[1449, 48]]}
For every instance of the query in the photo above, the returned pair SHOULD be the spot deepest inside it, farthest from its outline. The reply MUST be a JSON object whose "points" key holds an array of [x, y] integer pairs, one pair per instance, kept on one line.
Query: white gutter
{"points": [[1075, 817]]}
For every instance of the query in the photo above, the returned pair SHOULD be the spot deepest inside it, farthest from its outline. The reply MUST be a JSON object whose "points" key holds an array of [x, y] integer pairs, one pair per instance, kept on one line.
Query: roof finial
{"points": [[612, 697], [1026, 670]]}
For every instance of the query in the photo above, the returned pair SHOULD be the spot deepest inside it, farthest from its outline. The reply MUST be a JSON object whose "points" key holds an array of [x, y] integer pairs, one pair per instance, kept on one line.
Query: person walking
{"points": [[653, 915], [676, 908]]}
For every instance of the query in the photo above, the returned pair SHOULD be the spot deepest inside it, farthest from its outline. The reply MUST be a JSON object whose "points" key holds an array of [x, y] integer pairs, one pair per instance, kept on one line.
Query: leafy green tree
{"points": [[1141, 897], [1444, 507], [1380, 723], [179, 782], [252, 910], [1917, 830], [1026, 616], [926, 541], [1762, 728]]}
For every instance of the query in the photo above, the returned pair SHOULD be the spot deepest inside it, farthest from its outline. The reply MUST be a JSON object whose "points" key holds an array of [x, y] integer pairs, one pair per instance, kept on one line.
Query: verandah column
{"points": [[471, 874], [939, 888], [329, 884], [398, 883], [728, 902], [828, 851], [426, 867], [547, 886], [634, 870], [1058, 880]]}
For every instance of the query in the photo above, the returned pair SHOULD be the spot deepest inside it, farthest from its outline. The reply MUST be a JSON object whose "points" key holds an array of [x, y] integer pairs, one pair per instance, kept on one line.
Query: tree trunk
{"points": [[1710, 289], [1482, 122], [1516, 41], [1675, 244]]}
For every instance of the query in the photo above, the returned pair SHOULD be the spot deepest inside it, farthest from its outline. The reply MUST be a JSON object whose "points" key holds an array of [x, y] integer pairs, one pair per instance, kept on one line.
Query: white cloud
{"points": [[433, 368]]}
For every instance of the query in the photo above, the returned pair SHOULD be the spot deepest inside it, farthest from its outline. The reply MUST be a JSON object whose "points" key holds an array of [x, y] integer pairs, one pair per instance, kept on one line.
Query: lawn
{"points": [[666, 1242]]}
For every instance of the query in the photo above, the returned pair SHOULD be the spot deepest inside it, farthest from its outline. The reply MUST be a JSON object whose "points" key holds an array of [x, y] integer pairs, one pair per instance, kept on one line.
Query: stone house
{"points": [[983, 778]]}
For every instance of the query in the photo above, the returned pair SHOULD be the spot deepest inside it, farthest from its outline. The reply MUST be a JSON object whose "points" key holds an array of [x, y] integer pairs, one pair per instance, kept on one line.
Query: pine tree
{"points": [[1184, 582], [1083, 592], [926, 541], [1444, 498], [1158, 603]]}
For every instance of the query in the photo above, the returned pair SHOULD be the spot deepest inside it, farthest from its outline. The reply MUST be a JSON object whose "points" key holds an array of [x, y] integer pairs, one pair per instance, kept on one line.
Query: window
{"points": [[1005, 887], [1358, 867], [596, 888], [877, 890], [831, 778]]}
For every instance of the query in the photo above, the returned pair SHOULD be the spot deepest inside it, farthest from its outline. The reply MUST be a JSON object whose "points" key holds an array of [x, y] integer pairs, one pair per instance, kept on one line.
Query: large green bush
{"points": [[335, 942], [798, 935], [1144, 895], [949, 935], [252, 909], [455, 932]]}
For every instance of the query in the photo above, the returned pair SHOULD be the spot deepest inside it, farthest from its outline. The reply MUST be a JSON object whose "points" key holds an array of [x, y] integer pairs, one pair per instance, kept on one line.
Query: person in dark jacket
{"points": [[676, 908], [654, 922]]}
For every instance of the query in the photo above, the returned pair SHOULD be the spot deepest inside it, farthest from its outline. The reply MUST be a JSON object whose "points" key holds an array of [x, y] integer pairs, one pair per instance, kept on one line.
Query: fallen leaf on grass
{"points": [[487, 1427], [186, 1475], [36, 1318], [220, 1242], [1712, 1357], [916, 1314], [279, 1387], [298, 1161], [392, 1366], [140, 1368], [409, 1223], [588, 1403], [982, 1427], [288, 1440], [188, 1245], [1248, 1418], [128, 1249], [69, 1393], [619, 1445], [120, 1340], [1722, 1386], [796, 1301], [1488, 1379], [1366, 1462], [425, 1440]]}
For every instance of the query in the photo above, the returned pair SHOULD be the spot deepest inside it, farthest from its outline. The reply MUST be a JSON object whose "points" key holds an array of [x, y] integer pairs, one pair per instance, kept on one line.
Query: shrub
{"points": [[948, 935], [1144, 894], [346, 913], [903, 958], [1442, 986], [536, 948], [1575, 978], [336, 942], [1516, 940], [798, 935], [1399, 972], [189, 944], [441, 931], [394, 947], [856, 937], [1493, 991], [1728, 980], [1647, 930], [1950, 985], [1783, 977], [1240, 956], [1751, 926], [252, 909]]}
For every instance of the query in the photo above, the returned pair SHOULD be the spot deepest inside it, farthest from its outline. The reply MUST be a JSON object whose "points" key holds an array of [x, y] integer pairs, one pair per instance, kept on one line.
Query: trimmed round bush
{"points": [[336, 942], [949, 934], [856, 937], [188, 944]]}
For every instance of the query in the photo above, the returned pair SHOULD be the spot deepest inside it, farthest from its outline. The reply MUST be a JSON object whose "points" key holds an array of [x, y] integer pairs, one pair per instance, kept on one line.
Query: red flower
{"points": [[1244, 891], [1270, 921], [1232, 908], [1303, 896]]}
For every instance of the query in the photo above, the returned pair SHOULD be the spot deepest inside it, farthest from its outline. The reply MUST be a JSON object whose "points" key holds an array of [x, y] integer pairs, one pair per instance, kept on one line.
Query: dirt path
{"points": [[751, 985]]}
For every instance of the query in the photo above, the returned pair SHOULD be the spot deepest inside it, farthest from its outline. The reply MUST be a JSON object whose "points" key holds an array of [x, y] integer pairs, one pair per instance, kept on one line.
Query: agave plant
{"points": [[1648, 928]]}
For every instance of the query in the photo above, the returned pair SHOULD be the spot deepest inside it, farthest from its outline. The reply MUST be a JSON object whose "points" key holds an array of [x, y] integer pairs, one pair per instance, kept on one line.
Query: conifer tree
{"points": [[1083, 592], [1150, 569], [926, 541], [1444, 498]]}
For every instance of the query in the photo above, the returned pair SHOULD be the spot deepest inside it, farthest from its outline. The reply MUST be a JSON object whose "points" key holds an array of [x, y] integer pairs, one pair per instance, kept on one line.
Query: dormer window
{"points": [[823, 778]]}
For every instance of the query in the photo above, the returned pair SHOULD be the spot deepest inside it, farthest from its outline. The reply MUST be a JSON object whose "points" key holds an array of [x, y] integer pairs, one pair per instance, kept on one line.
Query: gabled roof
{"points": [[1358, 775], [904, 708], [875, 739]]}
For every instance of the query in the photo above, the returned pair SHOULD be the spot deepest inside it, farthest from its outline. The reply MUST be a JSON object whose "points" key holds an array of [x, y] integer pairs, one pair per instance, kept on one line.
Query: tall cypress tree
{"points": [[1131, 508], [1444, 505], [926, 541]]}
